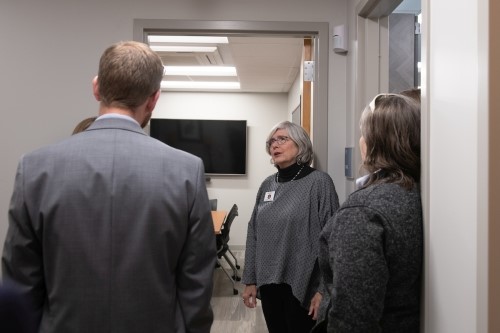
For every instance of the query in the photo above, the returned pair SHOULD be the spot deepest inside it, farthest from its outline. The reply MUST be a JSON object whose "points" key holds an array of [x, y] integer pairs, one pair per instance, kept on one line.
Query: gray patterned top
{"points": [[371, 260], [283, 233]]}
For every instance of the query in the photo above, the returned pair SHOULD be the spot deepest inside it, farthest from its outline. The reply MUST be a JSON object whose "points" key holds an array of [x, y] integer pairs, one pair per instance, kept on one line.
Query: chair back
{"points": [[213, 204], [227, 223]]}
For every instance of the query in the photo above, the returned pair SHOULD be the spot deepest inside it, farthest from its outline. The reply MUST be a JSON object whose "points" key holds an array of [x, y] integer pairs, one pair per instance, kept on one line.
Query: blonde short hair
{"points": [[129, 72]]}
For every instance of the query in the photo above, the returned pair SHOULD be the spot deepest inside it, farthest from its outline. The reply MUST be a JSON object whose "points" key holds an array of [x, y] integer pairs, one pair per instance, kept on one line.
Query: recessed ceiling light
{"points": [[188, 39], [199, 85], [201, 70], [164, 48]]}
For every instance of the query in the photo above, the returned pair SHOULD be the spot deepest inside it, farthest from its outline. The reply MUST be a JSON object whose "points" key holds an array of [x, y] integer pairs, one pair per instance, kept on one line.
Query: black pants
{"points": [[282, 311]]}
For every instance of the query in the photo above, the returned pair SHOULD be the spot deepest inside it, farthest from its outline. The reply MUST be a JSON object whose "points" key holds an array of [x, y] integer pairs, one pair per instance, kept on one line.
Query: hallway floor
{"points": [[230, 314]]}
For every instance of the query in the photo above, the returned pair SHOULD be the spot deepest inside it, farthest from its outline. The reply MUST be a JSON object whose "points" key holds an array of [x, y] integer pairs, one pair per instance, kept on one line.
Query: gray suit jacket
{"points": [[110, 231]]}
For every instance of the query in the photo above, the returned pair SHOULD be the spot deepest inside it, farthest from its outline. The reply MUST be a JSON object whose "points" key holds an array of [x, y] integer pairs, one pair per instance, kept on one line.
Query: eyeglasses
{"points": [[373, 103], [280, 140]]}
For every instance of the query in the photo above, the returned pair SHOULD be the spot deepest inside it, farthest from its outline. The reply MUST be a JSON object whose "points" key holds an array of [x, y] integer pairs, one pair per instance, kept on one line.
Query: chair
{"points": [[213, 204], [222, 241]]}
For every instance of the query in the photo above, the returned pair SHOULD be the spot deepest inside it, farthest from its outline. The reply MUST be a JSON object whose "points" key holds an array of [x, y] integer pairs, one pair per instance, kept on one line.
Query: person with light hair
{"points": [[282, 248], [372, 249], [110, 230]]}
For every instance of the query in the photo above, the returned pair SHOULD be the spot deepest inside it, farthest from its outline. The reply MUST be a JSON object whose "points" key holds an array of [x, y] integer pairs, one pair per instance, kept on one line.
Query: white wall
{"points": [[455, 46], [51, 51], [294, 95], [262, 112]]}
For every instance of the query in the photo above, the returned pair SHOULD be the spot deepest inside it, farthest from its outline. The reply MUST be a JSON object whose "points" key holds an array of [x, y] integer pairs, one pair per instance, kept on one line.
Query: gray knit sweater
{"points": [[283, 233], [371, 261]]}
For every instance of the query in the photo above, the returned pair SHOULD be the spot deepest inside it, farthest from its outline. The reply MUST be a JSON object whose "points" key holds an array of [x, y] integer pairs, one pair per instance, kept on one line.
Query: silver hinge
{"points": [[308, 70]]}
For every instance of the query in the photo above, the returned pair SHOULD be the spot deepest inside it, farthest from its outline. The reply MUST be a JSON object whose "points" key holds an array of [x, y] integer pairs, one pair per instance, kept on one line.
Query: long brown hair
{"points": [[390, 126], [83, 125]]}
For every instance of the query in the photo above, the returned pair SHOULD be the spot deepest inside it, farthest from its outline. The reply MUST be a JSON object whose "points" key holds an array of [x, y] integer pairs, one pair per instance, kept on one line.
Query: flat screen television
{"points": [[221, 144]]}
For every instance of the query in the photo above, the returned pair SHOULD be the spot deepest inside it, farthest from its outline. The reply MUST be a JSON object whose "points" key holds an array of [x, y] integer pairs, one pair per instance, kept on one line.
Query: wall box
{"points": [[340, 39]]}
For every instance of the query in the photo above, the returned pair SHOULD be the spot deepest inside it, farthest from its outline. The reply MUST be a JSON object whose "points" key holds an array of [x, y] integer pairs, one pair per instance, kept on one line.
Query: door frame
{"points": [[317, 30]]}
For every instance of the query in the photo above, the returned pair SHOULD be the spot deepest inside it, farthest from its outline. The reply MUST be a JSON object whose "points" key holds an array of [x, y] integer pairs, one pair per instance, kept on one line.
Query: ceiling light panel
{"points": [[179, 48], [188, 39], [199, 85], [200, 70]]}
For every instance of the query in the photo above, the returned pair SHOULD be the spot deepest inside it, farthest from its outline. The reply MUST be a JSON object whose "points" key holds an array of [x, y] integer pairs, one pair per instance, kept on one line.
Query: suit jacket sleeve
{"points": [[22, 261], [197, 262]]}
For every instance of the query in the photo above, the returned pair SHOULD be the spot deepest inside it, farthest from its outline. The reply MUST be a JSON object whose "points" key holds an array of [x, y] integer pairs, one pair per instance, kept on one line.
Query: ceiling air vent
{"points": [[191, 58]]}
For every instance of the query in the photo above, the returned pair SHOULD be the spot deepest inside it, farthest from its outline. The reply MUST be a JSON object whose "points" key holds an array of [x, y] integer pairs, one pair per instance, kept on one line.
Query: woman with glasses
{"points": [[281, 256], [371, 250]]}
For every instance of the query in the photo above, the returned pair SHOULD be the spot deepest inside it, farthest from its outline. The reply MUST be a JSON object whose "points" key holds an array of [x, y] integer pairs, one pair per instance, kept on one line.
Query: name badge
{"points": [[269, 196]]}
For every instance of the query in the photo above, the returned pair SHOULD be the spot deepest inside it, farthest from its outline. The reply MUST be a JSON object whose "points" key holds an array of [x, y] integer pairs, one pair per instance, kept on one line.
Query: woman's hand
{"points": [[250, 296], [314, 307]]}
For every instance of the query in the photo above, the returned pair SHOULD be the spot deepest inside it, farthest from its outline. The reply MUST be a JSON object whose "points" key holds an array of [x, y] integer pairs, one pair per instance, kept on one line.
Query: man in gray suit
{"points": [[110, 230]]}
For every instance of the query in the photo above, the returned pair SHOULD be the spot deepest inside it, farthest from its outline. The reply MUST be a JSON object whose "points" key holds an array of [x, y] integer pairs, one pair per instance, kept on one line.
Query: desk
{"points": [[218, 216]]}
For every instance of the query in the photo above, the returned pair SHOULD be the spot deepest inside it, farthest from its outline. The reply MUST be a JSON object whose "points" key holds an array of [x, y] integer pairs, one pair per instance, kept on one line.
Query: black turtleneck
{"points": [[288, 173]]}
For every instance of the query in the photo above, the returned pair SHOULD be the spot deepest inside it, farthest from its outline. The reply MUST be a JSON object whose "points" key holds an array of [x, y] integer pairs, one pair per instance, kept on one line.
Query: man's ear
{"points": [[152, 100], [95, 89]]}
